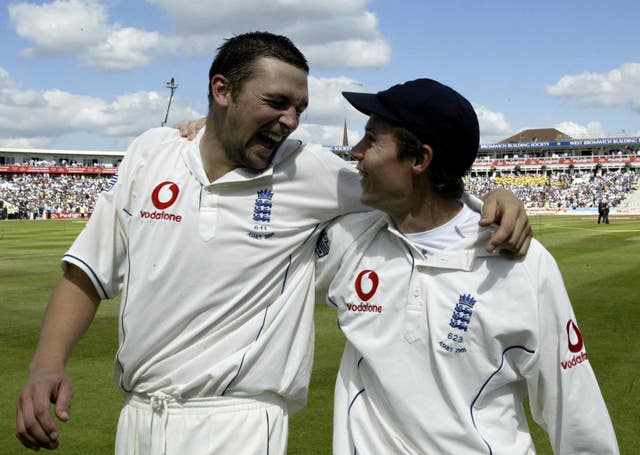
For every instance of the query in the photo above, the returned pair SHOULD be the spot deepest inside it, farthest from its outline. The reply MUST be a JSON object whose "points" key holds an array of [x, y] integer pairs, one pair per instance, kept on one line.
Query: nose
{"points": [[290, 118], [357, 152]]}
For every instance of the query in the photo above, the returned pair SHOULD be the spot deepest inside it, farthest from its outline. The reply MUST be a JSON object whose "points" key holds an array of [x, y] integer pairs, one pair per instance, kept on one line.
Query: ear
{"points": [[221, 90], [421, 163]]}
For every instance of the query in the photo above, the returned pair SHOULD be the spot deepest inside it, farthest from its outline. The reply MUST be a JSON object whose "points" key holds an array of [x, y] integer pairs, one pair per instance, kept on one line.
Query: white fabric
{"points": [[442, 350], [160, 425], [217, 287], [442, 237]]}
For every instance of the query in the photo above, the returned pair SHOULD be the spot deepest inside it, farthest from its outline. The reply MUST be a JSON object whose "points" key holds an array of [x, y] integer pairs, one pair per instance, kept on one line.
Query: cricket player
{"points": [[446, 340], [211, 244]]}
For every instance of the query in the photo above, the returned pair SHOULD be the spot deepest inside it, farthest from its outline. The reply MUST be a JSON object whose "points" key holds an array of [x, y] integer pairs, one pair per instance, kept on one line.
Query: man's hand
{"points": [[514, 234], [35, 426], [72, 306], [190, 128]]}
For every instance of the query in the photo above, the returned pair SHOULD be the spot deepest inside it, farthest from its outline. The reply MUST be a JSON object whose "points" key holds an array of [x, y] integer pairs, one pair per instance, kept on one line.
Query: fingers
{"points": [[35, 425], [489, 212], [512, 231], [183, 128], [22, 434], [512, 240], [189, 129], [513, 234], [63, 401]]}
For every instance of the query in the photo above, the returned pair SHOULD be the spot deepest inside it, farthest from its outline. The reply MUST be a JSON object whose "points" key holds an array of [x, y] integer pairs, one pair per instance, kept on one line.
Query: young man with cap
{"points": [[211, 244], [445, 340]]}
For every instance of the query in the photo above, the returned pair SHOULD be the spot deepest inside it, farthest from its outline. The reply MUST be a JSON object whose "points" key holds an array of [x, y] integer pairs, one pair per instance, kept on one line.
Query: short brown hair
{"points": [[236, 58]]}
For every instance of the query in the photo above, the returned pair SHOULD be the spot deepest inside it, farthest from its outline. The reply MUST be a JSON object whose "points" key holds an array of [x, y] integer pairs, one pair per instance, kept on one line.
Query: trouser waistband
{"points": [[162, 406], [161, 401]]}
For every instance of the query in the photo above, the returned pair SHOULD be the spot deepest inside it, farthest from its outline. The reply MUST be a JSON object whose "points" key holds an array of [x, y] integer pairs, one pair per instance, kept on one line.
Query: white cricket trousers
{"points": [[160, 425]]}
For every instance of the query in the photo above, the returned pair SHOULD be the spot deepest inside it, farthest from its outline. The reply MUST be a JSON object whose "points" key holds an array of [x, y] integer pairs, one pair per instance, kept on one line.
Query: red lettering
{"points": [[575, 360], [160, 216]]}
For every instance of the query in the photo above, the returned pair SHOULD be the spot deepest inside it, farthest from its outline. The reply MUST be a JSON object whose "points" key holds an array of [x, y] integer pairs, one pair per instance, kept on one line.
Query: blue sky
{"points": [[90, 75]]}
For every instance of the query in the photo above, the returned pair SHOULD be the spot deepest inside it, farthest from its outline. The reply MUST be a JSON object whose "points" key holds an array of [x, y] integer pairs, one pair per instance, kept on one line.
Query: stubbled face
{"points": [[263, 113], [386, 180]]}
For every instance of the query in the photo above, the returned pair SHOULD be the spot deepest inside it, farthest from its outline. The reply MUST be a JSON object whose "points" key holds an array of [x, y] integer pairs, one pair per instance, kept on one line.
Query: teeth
{"points": [[274, 137]]}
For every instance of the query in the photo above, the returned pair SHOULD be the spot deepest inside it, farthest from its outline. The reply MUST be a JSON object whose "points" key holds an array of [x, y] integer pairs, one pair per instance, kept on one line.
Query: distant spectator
{"points": [[52, 192], [561, 190]]}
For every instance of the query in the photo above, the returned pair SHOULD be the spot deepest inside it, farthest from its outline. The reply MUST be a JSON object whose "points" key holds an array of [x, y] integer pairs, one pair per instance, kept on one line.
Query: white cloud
{"points": [[494, 126], [6, 80], [59, 27], [618, 87], [38, 117], [35, 114], [25, 142], [326, 103], [577, 131], [348, 54], [331, 33], [124, 49], [82, 28], [202, 16]]}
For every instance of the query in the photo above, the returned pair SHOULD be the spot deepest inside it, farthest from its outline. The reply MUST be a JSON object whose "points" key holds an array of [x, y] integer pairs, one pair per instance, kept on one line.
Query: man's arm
{"points": [[71, 309], [501, 207], [514, 233], [564, 396]]}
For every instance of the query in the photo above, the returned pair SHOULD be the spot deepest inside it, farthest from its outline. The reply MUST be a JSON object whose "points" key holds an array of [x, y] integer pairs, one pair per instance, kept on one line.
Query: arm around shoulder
{"points": [[514, 233]]}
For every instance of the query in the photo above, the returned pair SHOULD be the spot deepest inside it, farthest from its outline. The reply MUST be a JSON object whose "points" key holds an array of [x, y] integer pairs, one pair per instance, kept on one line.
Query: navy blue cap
{"points": [[435, 113]]}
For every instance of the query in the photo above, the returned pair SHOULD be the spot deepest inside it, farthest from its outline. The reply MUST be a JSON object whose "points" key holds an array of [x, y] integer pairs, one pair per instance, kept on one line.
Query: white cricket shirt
{"points": [[216, 278], [441, 350]]}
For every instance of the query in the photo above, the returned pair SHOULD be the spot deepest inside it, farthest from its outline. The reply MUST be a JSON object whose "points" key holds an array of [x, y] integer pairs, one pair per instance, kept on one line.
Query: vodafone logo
{"points": [[576, 346], [164, 195], [367, 284], [574, 336]]}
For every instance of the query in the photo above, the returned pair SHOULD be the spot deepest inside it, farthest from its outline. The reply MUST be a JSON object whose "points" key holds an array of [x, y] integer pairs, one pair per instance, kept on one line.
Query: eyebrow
{"points": [[283, 98]]}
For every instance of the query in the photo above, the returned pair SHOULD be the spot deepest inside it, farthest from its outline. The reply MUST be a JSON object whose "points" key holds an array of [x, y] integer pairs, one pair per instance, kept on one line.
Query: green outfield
{"points": [[600, 264]]}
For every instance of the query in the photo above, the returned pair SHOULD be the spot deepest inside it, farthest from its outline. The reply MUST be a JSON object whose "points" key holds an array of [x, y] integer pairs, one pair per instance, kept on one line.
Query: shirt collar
{"points": [[459, 256], [193, 161]]}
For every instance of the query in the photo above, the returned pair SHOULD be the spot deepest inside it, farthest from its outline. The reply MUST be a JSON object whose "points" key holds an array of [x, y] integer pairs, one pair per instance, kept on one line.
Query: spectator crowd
{"points": [[36, 195], [562, 190]]}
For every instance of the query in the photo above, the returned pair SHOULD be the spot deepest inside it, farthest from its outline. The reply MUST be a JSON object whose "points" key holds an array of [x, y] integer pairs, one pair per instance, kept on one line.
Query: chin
{"points": [[259, 162], [369, 201]]}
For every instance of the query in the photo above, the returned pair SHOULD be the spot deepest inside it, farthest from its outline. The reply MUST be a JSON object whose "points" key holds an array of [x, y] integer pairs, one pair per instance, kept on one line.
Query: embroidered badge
{"points": [[262, 215], [461, 316], [460, 319]]}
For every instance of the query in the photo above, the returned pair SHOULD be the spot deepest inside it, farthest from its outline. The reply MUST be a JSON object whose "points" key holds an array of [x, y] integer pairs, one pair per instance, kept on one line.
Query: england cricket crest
{"points": [[461, 316], [262, 215], [457, 341]]}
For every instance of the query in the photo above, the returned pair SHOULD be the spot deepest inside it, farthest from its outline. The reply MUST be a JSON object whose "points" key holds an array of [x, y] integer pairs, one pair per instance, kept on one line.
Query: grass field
{"points": [[600, 264]]}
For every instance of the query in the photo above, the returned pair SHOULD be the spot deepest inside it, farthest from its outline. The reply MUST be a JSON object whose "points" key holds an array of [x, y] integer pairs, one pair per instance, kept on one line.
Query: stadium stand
{"points": [[51, 196], [561, 190], [548, 170]]}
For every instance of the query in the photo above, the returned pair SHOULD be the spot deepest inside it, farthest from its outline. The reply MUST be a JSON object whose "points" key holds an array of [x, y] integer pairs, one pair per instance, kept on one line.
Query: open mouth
{"points": [[269, 140]]}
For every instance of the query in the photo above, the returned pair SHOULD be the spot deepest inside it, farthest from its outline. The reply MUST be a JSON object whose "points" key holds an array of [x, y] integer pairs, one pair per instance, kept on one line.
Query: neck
{"points": [[427, 212], [212, 152]]}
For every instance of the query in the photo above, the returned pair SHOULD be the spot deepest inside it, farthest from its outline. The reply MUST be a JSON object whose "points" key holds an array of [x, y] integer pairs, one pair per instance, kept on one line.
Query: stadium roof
{"points": [[537, 135]]}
